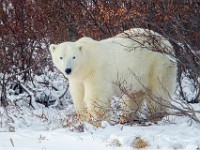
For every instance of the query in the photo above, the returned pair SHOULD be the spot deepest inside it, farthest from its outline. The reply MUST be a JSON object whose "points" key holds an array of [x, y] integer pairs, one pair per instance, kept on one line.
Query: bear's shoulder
{"points": [[85, 39]]}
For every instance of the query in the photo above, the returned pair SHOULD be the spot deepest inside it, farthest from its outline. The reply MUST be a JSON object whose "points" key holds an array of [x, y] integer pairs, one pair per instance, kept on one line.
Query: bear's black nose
{"points": [[68, 70]]}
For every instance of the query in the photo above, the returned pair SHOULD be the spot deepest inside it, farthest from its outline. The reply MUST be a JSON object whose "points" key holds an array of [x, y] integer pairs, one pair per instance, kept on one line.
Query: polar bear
{"points": [[125, 65]]}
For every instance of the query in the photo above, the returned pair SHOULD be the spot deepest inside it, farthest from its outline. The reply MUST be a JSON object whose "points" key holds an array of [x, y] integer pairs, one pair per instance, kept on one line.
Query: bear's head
{"points": [[69, 58]]}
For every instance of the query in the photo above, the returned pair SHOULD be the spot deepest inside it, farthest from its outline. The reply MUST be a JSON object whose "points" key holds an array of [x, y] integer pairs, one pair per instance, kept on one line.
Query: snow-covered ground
{"points": [[47, 129], [56, 128]]}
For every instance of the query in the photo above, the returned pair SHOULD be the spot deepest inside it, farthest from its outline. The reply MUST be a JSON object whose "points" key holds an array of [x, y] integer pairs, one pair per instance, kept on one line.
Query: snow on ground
{"points": [[55, 128], [46, 129]]}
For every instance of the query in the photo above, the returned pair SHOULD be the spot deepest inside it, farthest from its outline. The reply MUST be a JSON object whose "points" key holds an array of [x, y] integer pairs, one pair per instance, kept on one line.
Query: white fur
{"points": [[126, 58]]}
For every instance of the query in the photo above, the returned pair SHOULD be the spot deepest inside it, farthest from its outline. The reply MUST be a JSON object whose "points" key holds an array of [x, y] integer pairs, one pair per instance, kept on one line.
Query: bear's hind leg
{"points": [[131, 105], [161, 90]]}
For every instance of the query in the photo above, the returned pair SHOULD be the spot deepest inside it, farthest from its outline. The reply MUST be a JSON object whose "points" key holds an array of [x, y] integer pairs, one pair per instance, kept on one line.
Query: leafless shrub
{"points": [[140, 114]]}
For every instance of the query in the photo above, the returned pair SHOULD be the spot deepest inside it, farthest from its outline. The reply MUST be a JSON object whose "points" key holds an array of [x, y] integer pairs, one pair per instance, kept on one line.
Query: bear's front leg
{"points": [[77, 93], [98, 96]]}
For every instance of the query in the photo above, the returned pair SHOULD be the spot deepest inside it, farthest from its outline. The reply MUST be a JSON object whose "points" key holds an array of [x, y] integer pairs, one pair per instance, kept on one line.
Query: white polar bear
{"points": [[124, 66]]}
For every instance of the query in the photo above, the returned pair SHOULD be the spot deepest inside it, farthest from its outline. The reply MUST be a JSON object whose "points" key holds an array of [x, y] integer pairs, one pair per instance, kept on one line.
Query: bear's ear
{"points": [[52, 48], [80, 48]]}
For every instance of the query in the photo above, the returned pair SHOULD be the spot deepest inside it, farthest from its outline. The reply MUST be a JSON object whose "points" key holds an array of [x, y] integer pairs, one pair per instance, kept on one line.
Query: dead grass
{"points": [[114, 143], [140, 143]]}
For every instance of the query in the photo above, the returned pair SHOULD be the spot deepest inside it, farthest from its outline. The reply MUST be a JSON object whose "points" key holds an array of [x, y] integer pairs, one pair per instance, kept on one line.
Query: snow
{"points": [[46, 129], [56, 128]]}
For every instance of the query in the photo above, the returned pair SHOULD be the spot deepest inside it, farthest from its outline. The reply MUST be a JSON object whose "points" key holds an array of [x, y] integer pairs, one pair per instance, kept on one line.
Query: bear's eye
{"points": [[73, 57], [61, 58]]}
